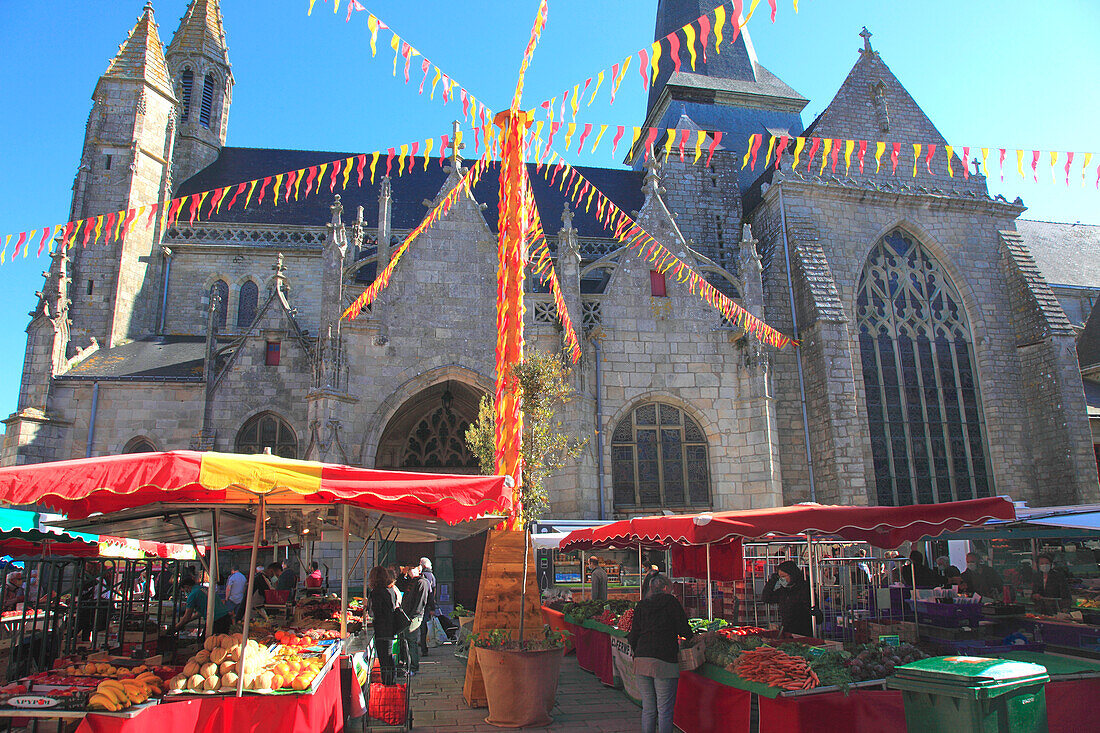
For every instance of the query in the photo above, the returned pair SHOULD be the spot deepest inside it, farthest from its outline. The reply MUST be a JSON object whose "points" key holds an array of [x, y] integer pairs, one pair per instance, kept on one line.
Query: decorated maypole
{"points": [[508, 590]]}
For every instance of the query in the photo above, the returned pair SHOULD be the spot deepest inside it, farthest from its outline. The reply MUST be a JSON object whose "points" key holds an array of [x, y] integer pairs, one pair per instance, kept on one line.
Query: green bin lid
{"points": [[970, 671]]}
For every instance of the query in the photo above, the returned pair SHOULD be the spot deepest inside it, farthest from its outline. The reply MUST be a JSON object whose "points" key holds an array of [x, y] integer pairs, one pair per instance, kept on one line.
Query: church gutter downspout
{"points": [[599, 426], [797, 347], [91, 420], [164, 296]]}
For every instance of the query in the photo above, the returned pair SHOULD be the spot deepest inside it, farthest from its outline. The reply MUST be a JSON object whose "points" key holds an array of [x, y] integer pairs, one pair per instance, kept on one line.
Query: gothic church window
{"points": [[187, 81], [207, 100], [921, 382], [267, 430], [246, 304], [439, 441], [139, 445], [220, 290], [659, 459]]}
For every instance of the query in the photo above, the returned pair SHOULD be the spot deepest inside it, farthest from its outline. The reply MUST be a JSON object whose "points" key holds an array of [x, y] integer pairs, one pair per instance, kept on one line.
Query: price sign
{"points": [[33, 701]]}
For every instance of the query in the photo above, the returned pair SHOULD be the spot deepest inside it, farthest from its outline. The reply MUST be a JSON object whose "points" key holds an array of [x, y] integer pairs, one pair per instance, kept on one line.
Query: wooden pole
{"points": [[248, 596]]}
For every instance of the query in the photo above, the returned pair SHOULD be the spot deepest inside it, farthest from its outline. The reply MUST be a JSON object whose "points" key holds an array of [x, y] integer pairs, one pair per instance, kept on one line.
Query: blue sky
{"points": [[1006, 74]]}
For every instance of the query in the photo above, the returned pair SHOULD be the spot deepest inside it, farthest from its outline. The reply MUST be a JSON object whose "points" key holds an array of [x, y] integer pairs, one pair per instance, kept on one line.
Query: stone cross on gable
{"points": [[866, 36], [651, 183], [977, 167], [456, 146]]}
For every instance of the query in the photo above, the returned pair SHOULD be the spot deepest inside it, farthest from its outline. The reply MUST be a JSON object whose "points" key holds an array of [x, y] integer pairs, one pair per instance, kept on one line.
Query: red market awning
{"points": [[107, 484], [881, 526]]}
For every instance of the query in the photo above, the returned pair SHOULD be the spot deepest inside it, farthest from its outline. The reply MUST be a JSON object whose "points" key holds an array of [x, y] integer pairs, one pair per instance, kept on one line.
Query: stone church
{"points": [[937, 360]]}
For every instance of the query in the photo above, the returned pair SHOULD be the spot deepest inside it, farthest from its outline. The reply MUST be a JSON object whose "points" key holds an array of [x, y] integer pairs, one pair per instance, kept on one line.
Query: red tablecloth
{"points": [[556, 621], [833, 712], [703, 705], [321, 712], [594, 653]]}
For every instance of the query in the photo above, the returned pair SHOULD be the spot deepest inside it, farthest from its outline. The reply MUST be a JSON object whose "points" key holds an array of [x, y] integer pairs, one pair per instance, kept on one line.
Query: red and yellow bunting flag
{"points": [[196, 207], [468, 181], [406, 52], [694, 38], [542, 264], [624, 229], [934, 158]]}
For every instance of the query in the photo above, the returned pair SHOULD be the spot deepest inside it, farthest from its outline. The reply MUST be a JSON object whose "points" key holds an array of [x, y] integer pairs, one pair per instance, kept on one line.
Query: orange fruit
{"points": [[279, 635], [282, 669], [307, 641], [301, 682], [276, 681]]}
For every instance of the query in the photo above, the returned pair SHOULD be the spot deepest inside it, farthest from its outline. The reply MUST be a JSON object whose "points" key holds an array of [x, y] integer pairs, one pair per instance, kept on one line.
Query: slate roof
{"points": [[1088, 342], [141, 55], [172, 358], [235, 165], [1067, 254]]}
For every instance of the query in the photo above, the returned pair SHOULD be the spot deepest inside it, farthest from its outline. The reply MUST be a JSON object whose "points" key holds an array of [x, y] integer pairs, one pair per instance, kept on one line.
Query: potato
{"points": [[195, 682], [218, 655], [212, 682], [208, 669], [191, 668], [229, 679]]}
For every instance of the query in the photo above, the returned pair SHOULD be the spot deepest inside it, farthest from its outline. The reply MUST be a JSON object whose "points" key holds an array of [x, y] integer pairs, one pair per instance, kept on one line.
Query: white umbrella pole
{"points": [[810, 572], [710, 597], [212, 572], [248, 596], [344, 577]]}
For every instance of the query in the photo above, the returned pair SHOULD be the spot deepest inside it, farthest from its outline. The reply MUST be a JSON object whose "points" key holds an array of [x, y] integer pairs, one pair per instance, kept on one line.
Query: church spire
{"points": [[198, 58], [141, 55], [201, 31]]}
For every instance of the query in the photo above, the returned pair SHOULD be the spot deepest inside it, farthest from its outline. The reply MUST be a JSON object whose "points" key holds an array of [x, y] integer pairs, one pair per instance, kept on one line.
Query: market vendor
{"points": [[919, 573], [788, 589], [949, 574], [1051, 584], [195, 606], [981, 578]]}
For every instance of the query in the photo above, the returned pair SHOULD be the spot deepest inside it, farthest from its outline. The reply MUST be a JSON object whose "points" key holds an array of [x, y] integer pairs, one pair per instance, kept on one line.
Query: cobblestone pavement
{"points": [[583, 704]]}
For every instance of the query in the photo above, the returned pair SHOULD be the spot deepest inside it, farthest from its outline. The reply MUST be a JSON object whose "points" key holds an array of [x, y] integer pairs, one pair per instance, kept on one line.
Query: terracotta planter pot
{"points": [[520, 686]]}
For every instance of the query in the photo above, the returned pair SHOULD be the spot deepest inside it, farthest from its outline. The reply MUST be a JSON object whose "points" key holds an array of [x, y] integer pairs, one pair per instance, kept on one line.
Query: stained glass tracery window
{"points": [[439, 441], [659, 459], [921, 387]]}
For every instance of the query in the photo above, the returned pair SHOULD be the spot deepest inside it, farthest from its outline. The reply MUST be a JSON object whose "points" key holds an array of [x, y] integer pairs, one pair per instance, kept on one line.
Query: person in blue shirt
{"points": [[195, 606]]}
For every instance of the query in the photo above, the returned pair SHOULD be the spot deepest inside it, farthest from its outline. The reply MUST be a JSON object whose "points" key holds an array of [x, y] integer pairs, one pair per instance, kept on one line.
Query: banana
{"points": [[116, 694], [110, 685], [136, 691], [102, 702]]}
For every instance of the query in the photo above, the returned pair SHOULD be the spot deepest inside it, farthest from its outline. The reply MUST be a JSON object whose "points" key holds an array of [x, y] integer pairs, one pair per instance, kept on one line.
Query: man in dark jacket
{"points": [[788, 589], [598, 576], [1050, 588], [649, 575], [925, 577], [659, 621], [414, 602], [981, 578]]}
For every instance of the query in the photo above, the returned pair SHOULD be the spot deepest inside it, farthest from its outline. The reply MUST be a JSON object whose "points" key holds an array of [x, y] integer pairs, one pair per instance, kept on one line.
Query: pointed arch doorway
{"points": [[428, 434]]}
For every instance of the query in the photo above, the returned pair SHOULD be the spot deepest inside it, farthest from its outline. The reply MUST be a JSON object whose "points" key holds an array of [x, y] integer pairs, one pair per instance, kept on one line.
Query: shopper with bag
{"points": [[659, 621], [429, 577], [387, 619]]}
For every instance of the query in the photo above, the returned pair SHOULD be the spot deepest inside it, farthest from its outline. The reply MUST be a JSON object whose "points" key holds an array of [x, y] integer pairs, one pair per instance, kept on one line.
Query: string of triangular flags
{"points": [[920, 155], [685, 140], [473, 110], [299, 184], [542, 264], [466, 183], [582, 193], [694, 38]]}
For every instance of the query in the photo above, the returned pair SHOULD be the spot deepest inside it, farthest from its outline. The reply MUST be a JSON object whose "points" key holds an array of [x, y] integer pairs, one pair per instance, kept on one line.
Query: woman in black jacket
{"points": [[789, 590], [659, 621], [383, 602]]}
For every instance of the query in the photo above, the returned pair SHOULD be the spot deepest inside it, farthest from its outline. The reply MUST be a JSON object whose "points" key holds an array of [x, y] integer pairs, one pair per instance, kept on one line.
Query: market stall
{"points": [[146, 492]]}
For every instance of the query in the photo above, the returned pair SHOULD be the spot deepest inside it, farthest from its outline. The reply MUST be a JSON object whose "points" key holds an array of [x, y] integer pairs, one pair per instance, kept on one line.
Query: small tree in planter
{"points": [[521, 677]]}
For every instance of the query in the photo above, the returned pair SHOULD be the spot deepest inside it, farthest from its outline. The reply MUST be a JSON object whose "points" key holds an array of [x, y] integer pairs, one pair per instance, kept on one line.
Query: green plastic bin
{"points": [[972, 695]]}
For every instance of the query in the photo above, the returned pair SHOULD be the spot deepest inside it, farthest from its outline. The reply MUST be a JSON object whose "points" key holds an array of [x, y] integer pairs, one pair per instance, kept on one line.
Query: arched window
{"points": [[268, 430], [246, 304], [927, 434], [139, 445], [207, 100], [187, 81], [439, 441], [220, 290], [659, 459]]}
